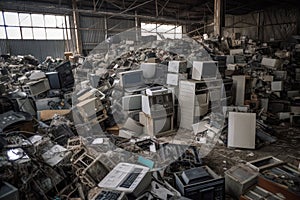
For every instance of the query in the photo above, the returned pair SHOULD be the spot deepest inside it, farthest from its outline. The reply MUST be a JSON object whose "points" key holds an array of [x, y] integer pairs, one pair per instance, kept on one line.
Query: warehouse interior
{"points": [[148, 99]]}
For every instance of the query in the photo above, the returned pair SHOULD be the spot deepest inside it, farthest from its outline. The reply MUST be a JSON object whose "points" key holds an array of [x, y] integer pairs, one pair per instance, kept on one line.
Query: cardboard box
{"points": [[45, 115], [153, 60]]}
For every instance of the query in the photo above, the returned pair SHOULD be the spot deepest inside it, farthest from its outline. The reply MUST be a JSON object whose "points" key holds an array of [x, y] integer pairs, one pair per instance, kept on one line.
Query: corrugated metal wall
{"points": [[115, 26], [243, 24], [273, 23], [93, 32], [279, 23], [38, 48]]}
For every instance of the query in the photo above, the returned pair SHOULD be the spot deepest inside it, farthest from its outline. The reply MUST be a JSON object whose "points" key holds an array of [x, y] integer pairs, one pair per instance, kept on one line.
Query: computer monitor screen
{"points": [[204, 70], [162, 124], [209, 70], [65, 74], [131, 78], [53, 78], [149, 70]]}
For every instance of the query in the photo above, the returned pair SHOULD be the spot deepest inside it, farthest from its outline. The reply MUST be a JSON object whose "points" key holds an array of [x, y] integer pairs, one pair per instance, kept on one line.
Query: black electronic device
{"points": [[276, 106], [200, 183], [195, 175], [62, 133], [105, 194], [53, 79], [221, 59], [10, 118], [65, 74], [6, 104]]}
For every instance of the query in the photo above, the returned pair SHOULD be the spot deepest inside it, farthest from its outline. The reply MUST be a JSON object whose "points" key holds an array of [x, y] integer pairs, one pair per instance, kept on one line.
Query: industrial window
{"points": [[161, 30], [15, 25]]}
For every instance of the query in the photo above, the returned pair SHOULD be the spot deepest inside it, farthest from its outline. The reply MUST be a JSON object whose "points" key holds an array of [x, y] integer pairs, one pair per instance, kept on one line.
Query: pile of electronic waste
{"points": [[135, 123]]}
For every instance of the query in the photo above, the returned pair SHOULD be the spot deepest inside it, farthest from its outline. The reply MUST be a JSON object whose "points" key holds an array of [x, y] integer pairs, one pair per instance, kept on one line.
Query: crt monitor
{"points": [[209, 70], [149, 70], [163, 124], [131, 78], [53, 79], [65, 74], [204, 70]]}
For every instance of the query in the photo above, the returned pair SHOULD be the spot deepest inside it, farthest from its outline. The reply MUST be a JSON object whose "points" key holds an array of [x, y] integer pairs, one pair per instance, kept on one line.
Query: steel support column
{"points": [[76, 27], [298, 22], [219, 16]]}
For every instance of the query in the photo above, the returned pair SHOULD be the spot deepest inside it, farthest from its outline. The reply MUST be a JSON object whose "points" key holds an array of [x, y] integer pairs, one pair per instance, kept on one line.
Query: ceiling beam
{"points": [[12, 6]]}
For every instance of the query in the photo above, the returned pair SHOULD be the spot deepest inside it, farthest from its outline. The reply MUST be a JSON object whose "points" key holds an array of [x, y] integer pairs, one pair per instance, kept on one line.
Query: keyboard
{"points": [[126, 177], [131, 178], [108, 195]]}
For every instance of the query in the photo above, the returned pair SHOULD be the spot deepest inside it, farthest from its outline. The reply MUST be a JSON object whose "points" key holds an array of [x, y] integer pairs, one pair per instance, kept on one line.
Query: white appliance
{"points": [[241, 130]]}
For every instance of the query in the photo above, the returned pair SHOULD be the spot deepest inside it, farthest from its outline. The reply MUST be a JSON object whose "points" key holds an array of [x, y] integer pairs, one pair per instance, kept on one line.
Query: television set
{"points": [[204, 70], [159, 126]]}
